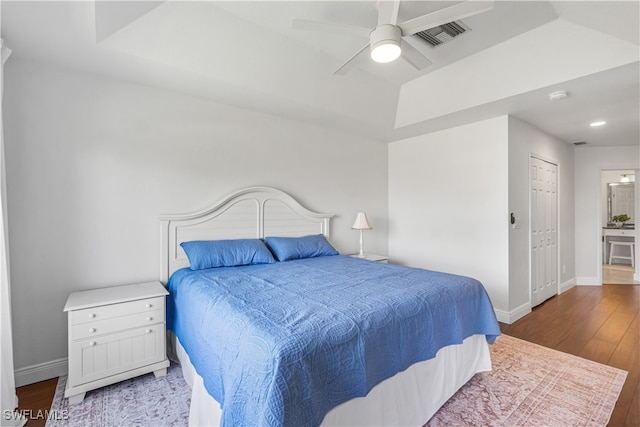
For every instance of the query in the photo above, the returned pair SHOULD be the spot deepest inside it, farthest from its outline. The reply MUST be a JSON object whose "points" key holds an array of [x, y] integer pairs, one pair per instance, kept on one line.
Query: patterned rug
{"points": [[530, 385], [142, 401]]}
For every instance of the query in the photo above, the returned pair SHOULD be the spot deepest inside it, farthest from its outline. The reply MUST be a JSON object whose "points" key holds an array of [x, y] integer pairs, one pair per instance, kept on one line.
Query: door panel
{"points": [[544, 230]]}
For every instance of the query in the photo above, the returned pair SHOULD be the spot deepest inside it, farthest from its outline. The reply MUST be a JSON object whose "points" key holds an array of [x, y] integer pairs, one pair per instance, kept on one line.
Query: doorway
{"points": [[618, 195], [544, 230]]}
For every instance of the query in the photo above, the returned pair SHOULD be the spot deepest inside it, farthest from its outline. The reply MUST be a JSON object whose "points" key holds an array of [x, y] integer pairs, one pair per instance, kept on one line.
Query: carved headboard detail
{"points": [[254, 212]]}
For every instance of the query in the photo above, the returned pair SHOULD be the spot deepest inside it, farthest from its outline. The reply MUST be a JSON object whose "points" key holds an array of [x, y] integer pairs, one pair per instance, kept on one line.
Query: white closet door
{"points": [[544, 230]]}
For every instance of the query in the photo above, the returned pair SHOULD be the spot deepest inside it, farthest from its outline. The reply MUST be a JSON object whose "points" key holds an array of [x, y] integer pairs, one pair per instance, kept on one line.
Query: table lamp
{"points": [[361, 223]]}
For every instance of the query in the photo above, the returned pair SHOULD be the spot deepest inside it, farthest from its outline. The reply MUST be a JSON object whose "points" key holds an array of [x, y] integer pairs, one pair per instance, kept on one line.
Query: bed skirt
{"points": [[410, 397]]}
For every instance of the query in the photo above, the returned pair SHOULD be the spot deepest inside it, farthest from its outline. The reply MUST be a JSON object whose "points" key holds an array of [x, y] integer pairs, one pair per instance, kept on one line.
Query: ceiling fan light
{"points": [[385, 43], [386, 51]]}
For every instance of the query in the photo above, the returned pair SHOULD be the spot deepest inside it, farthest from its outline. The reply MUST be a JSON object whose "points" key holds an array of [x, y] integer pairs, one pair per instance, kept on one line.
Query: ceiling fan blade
{"points": [[388, 12], [413, 56], [304, 24], [351, 62], [444, 16]]}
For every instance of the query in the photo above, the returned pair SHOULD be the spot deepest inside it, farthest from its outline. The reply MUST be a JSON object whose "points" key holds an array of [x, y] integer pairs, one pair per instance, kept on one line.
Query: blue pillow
{"points": [[226, 253], [288, 248]]}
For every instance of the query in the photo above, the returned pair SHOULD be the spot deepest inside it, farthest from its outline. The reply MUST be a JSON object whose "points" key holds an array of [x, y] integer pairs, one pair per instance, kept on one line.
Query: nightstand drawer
{"points": [[111, 311], [103, 356], [91, 329]]}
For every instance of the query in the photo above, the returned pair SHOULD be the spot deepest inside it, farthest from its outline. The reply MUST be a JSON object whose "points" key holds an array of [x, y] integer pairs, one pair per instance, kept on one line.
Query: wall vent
{"points": [[580, 143], [442, 34]]}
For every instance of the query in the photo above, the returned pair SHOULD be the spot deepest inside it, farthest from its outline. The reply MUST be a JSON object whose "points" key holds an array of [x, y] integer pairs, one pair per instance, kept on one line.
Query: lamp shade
{"points": [[361, 222]]}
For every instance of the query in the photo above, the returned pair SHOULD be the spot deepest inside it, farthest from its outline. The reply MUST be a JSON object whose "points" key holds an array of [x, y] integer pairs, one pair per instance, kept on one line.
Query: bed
{"points": [[312, 337]]}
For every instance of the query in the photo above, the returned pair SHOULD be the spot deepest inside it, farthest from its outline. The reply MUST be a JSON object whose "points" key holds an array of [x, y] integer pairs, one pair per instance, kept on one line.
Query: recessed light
{"points": [[598, 123]]}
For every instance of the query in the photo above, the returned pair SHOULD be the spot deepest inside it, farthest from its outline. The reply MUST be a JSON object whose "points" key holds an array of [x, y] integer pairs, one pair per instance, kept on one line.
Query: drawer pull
{"points": [[92, 343], [92, 329], [92, 315], [149, 305], [149, 331], [149, 318]]}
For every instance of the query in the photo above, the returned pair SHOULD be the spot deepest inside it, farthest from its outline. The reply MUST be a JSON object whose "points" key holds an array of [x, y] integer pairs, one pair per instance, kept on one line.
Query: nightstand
{"points": [[373, 257], [115, 334]]}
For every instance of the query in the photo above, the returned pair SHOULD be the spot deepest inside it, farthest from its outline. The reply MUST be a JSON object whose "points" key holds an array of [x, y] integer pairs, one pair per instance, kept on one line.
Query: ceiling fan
{"points": [[386, 38]]}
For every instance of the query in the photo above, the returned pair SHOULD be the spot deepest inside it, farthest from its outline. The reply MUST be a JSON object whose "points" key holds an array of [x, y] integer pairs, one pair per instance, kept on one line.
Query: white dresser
{"points": [[115, 334]]}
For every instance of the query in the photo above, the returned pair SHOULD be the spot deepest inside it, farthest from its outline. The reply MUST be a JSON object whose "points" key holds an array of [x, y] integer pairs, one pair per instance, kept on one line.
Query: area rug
{"points": [[530, 385], [142, 401]]}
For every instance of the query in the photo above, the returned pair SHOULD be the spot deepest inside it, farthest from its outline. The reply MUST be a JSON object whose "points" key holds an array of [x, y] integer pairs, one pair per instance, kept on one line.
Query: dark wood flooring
{"points": [[600, 323], [36, 398]]}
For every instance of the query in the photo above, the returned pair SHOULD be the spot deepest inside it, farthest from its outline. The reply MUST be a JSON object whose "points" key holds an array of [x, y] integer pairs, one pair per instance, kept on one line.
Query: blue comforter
{"points": [[282, 344]]}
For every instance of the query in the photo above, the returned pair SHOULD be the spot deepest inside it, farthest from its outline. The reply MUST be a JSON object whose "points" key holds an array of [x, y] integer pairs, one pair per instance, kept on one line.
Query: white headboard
{"points": [[254, 212]]}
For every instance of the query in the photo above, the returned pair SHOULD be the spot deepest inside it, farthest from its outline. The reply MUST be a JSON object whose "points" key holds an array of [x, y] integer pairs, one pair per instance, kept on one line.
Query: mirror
{"points": [[621, 200]]}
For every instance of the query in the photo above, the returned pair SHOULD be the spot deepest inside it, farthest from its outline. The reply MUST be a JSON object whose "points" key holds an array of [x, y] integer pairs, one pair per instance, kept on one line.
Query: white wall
{"points": [[590, 161], [524, 141], [448, 204], [91, 162], [450, 195]]}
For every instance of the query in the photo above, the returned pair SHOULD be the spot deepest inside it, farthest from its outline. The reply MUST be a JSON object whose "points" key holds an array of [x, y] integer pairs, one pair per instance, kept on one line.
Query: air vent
{"points": [[580, 143], [443, 34]]}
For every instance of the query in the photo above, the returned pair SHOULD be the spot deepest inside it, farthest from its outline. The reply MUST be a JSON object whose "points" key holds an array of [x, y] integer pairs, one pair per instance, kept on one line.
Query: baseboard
{"points": [[509, 317], [40, 372], [588, 281], [564, 287]]}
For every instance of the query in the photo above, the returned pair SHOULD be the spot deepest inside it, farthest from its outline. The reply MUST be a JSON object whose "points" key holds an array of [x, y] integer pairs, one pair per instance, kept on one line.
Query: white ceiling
{"points": [[245, 53]]}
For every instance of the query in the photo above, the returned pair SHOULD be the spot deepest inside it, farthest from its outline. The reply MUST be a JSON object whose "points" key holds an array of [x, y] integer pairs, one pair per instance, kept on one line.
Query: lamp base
{"points": [[361, 253]]}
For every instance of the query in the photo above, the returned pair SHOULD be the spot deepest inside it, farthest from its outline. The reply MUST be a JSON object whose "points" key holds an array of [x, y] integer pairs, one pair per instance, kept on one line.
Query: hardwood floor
{"points": [[35, 399], [600, 323]]}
